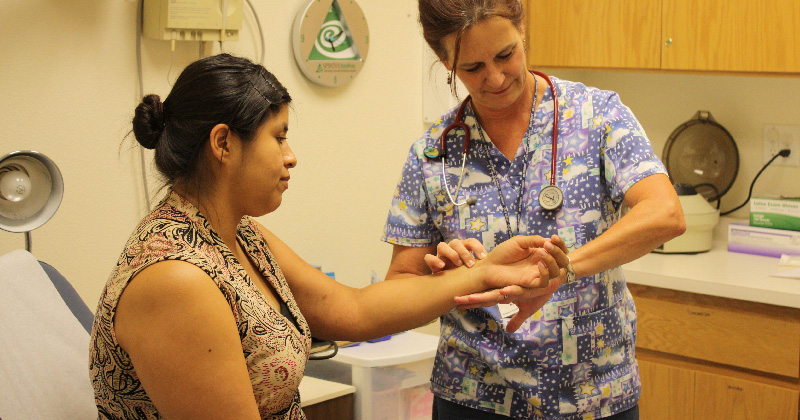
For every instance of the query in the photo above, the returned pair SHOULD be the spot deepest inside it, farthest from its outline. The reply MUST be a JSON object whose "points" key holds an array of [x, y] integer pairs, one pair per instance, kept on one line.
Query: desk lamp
{"points": [[31, 188]]}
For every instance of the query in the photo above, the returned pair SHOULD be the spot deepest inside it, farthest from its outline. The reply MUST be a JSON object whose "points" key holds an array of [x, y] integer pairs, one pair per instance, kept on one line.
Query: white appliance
{"points": [[701, 219]]}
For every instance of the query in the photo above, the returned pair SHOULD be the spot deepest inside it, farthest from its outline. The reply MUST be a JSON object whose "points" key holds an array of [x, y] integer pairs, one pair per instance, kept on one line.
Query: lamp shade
{"points": [[31, 188]]}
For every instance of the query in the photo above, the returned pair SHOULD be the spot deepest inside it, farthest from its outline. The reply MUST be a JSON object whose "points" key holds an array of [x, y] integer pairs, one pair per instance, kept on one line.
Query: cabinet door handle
{"points": [[698, 313], [668, 42]]}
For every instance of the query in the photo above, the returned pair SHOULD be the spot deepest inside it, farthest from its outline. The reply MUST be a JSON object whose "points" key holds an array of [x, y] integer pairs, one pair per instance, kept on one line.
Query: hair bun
{"points": [[148, 121]]}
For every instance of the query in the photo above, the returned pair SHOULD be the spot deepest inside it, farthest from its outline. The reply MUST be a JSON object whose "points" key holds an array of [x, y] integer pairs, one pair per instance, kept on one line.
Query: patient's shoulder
{"points": [[168, 292]]}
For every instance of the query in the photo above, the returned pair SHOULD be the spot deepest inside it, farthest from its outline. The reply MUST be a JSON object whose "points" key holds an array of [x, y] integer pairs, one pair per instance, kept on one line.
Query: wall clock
{"points": [[330, 40]]}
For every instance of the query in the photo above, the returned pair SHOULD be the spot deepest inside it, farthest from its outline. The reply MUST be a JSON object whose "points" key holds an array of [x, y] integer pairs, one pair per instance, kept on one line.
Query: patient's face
{"points": [[263, 171]]}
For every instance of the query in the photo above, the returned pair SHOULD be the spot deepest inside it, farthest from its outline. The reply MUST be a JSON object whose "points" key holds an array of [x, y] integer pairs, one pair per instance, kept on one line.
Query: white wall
{"points": [[743, 105], [68, 90]]}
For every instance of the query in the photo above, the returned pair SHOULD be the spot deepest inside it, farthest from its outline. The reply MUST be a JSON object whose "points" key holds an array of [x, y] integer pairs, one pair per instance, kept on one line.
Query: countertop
{"points": [[314, 390], [718, 273]]}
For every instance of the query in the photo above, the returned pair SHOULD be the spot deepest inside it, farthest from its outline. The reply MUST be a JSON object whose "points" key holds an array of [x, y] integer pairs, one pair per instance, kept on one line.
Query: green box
{"points": [[776, 213]]}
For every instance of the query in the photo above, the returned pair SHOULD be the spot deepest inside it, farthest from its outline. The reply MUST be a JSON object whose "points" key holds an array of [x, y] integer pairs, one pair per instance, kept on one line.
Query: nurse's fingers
{"points": [[434, 263], [482, 299], [548, 266], [460, 252]]}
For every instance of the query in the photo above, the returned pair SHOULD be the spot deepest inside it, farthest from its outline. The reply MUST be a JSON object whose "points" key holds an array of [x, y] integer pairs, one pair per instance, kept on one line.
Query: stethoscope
{"points": [[550, 197]]}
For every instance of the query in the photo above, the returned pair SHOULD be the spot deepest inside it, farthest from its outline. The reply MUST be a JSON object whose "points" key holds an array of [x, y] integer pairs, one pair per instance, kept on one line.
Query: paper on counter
{"points": [[790, 274]]}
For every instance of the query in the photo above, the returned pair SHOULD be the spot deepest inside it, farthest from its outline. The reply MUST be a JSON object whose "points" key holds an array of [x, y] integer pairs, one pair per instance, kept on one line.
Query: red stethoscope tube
{"points": [[550, 197], [458, 123]]}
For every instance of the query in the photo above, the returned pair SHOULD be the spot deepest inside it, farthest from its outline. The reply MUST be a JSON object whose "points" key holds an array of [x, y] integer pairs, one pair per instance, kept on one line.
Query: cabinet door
{"points": [[596, 33], [667, 392], [725, 398], [725, 35]]}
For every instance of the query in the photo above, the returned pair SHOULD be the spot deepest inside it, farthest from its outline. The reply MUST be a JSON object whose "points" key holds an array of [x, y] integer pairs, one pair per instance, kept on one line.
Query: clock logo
{"points": [[331, 41]]}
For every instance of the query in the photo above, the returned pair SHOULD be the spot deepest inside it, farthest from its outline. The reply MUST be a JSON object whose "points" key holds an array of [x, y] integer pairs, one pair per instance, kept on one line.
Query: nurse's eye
{"points": [[506, 56], [472, 69], [281, 139]]}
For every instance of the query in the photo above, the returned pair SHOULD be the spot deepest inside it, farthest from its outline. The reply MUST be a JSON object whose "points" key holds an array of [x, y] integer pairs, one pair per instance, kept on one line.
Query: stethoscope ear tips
{"points": [[472, 200]]}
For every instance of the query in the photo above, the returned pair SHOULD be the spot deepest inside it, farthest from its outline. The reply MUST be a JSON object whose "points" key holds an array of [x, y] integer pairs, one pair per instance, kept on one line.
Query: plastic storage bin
{"points": [[392, 377]]}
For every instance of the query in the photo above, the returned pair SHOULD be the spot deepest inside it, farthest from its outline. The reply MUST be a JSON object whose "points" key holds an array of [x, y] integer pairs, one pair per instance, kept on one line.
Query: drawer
{"points": [[667, 391], [726, 398], [712, 332]]}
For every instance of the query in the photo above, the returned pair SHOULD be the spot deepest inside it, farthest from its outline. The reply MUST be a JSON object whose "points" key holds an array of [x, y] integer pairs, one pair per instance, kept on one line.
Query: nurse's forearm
{"points": [[649, 223]]}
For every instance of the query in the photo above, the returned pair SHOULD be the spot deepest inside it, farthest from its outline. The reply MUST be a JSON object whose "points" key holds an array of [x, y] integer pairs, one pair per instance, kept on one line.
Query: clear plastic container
{"points": [[392, 377]]}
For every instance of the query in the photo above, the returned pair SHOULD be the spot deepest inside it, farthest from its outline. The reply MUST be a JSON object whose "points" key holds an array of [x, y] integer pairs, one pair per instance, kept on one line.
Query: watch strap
{"points": [[570, 271]]}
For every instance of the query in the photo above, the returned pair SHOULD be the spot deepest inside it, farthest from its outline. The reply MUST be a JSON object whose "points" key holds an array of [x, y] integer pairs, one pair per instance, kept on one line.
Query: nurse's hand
{"points": [[455, 254], [552, 272]]}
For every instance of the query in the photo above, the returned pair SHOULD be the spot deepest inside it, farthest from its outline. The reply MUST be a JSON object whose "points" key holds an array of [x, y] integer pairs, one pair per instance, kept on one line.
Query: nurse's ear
{"points": [[521, 29], [219, 142]]}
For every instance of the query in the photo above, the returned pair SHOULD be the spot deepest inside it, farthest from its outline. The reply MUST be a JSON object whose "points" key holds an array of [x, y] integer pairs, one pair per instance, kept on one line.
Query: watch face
{"points": [[330, 41], [551, 197]]}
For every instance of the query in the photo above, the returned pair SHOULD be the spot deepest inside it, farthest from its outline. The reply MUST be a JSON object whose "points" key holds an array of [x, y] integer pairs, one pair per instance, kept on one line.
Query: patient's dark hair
{"points": [[220, 89]]}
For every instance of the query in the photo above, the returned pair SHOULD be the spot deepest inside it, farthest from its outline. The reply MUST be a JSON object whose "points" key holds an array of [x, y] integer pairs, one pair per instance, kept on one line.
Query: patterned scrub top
{"points": [[574, 359], [275, 351]]}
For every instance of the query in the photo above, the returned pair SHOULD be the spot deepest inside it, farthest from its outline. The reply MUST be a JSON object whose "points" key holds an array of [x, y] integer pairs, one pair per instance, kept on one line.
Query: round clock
{"points": [[330, 40]]}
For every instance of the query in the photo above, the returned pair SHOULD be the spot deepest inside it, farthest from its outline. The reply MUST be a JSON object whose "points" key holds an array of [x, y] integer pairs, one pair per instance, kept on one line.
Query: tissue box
{"points": [[776, 213], [762, 241]]}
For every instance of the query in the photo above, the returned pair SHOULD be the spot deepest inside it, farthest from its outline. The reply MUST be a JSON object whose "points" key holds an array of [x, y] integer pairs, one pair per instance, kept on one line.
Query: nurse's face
{"points": [[491, 62]]}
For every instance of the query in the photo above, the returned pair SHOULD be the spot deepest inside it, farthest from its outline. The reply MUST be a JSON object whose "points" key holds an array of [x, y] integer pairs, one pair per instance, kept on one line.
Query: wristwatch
{"points": [[570, 271]]}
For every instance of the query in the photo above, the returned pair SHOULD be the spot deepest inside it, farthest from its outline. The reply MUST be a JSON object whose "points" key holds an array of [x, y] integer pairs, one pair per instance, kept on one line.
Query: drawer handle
{"points": [[697, 313], [735, 388]]}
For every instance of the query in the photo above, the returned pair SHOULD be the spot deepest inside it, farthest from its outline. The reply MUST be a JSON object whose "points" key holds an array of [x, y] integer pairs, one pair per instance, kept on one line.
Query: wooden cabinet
{"points": [[725, 397], [667, 391], [705, 358], [596, 33], [743, 36], [754, 36], [340, 408]]}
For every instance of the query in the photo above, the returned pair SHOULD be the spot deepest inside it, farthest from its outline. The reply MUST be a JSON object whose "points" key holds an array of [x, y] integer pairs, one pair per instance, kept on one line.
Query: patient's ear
{"points": [[219, 139]]}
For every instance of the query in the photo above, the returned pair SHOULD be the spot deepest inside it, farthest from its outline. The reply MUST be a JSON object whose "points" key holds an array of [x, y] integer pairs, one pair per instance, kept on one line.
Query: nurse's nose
{"points": [[495, 76]]}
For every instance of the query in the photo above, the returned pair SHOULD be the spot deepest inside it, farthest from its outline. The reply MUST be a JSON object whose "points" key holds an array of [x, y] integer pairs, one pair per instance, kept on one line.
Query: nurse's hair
{"points": [[220, 89], [440, 18]]}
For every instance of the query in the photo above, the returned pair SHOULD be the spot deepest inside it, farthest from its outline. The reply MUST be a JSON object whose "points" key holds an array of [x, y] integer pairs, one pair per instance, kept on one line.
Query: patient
{"points": [[208, 315]]}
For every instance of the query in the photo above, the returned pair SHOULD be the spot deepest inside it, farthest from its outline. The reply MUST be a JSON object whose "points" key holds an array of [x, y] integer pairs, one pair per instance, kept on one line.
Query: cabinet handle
{"points": [[668, 42], [697, 313]]}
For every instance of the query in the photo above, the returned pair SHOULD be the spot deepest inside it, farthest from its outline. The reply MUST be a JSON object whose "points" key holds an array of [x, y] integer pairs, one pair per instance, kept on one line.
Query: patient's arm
{"points": [[182, 339]]}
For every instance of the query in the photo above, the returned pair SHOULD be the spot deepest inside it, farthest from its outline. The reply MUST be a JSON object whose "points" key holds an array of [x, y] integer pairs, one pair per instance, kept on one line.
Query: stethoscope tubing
{"points": [[555, 125], [458, 123]]}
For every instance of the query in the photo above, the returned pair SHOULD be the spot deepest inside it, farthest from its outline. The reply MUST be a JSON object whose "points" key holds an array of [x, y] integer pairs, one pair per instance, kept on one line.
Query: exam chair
{"points": [[44, 343]]}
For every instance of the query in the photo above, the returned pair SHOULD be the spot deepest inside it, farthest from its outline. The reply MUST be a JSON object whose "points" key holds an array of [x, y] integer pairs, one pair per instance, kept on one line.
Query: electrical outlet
{"points": [[779, 137]]}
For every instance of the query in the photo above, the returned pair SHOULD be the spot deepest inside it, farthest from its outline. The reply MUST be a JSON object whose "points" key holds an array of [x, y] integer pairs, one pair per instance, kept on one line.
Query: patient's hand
{"points": [[551, 271]]}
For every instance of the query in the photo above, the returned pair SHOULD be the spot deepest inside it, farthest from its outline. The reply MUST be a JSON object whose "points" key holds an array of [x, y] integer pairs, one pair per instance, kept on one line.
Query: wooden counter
{"points": [[717, 336]]}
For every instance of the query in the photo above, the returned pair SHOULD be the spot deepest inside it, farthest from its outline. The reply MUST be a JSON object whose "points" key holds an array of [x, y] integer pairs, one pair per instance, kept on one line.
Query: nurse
{"points": [[565, 355]]}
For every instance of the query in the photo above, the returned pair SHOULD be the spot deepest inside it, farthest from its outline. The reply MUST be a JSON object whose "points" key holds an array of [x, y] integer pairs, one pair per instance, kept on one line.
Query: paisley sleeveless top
{"points": [[275, 350]]}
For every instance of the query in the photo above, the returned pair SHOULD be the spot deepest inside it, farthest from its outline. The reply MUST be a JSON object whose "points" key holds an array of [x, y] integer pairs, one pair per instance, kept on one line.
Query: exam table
{"points": [[44, 343]]}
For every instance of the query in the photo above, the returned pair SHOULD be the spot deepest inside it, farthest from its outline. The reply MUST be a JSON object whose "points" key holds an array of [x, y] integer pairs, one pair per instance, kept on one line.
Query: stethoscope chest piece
{"points": [[551, 197]]}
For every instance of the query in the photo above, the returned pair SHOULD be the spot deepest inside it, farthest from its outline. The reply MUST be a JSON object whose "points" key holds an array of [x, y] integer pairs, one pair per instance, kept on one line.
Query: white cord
{"points": [[260, 32], [140, 95]]}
